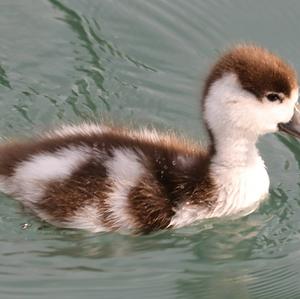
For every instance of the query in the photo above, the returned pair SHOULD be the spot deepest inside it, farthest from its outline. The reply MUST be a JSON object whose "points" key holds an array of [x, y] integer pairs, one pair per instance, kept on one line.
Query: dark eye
{"points": [[272, 97]]}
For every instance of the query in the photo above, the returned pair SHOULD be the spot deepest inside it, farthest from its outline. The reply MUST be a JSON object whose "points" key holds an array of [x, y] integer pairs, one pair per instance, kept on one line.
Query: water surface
{"points": [[142, 63]]}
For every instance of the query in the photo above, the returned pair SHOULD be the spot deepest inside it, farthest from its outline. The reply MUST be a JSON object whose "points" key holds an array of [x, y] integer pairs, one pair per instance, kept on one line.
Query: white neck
{"points": [[239, 173], [235, 150]]}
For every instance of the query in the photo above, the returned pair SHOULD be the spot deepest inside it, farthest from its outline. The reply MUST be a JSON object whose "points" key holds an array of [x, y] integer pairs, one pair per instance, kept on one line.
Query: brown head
{"points": [[249, 91]]}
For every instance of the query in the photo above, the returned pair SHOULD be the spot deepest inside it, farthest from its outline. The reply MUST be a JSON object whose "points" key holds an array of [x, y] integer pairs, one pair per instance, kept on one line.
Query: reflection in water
{"points": [[226, 260], [255, 279], [214, 259], [238, 262]]}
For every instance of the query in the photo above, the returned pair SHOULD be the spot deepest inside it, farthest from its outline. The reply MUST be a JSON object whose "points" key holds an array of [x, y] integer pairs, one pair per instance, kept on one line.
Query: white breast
{"points": [[241, 189], [239, 192]]}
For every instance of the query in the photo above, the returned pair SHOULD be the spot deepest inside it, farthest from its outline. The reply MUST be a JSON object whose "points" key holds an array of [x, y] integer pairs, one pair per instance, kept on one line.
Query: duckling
{"points": [[100, 178]]}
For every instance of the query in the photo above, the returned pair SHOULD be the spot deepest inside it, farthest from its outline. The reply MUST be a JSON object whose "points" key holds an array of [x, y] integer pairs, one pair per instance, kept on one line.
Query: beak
{"points": [[293, 126]]}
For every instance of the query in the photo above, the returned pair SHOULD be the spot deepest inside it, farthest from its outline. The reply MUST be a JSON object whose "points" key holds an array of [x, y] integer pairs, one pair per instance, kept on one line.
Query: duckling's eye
{"points": [[272, 97]]}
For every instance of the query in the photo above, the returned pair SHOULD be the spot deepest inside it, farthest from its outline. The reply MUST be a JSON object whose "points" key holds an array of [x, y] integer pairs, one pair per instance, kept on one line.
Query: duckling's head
{"points": [[249, 92]]}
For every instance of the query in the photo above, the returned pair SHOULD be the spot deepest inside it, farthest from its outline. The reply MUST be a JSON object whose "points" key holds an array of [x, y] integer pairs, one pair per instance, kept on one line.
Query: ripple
{"points": [[3, 78]]}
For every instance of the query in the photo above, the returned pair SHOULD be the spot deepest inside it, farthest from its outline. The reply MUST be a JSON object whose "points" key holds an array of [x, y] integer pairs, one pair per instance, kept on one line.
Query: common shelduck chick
{"points": [[102, 178]]}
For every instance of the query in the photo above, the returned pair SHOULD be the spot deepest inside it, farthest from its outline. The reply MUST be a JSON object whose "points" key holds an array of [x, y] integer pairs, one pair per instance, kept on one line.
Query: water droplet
{"points": [[25, 225], [165, 167], [181, 187], [174, 163]]}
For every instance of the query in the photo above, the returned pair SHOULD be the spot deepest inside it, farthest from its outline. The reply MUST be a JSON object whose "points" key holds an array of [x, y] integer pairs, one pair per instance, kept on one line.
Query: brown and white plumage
{"points": [[103, 178]]}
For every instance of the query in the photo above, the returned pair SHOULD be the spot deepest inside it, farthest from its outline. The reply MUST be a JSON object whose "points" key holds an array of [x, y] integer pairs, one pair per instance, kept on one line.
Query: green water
{"points": [[140, 62]]}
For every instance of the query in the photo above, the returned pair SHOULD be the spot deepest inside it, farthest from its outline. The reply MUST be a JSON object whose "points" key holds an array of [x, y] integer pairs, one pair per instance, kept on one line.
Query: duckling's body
{"points": [[103, 179], [110, 179]]}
